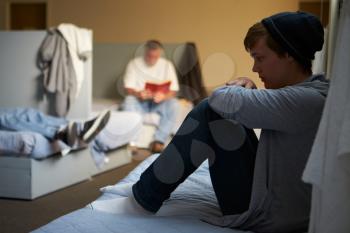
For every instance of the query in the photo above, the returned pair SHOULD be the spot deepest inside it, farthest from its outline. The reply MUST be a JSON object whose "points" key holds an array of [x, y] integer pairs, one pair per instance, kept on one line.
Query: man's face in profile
{"points": [[271, 67], [152, 56]]}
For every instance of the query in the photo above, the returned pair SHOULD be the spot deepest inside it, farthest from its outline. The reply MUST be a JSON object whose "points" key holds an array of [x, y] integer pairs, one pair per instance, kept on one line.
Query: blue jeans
{"points": [[167, 111], [230, 149], [28, 119]]}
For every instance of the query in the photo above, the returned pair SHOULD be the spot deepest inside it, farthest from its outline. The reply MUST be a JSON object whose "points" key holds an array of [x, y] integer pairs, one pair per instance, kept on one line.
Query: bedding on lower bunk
{"points": [[29, 144], [24, 171], [190, 202], [120, 130]]}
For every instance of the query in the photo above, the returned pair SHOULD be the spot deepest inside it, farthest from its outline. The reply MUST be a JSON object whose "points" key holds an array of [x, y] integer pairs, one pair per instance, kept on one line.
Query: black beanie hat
{"points": [[299, 33]]}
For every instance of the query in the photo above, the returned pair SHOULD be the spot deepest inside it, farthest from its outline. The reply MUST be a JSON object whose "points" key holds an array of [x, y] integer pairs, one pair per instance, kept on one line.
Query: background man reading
{"points": [[151, 84]]}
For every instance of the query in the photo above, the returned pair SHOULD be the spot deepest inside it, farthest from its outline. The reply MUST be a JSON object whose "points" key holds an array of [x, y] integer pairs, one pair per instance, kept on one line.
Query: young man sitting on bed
{"points": [[257, 184], [70, 132], [142, 76]]}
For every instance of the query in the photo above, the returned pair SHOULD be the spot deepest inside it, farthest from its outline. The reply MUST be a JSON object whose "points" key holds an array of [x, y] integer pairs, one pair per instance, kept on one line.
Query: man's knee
{"points": [[130, 99], [130, 103], [169, 107], [203, 111], [174, 104], [170, 102], [202, 106]]}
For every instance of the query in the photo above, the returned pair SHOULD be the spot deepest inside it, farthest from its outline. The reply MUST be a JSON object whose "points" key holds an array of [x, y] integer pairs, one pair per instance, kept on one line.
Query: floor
{"points": [[17, 216]]}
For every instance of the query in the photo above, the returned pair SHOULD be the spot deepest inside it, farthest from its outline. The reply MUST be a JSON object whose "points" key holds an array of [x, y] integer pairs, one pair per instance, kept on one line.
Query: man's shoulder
{"points": [[136, 60], [314, 85]]}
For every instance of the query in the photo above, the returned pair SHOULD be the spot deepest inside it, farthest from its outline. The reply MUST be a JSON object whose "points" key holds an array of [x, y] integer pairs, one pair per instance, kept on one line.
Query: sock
{"points": [[120, 205], [125, 204]]}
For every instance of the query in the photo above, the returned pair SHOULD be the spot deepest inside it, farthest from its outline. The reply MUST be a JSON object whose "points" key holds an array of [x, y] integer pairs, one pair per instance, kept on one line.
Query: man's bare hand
{"points": [[243, 82], [145, 95], [159, 97]]}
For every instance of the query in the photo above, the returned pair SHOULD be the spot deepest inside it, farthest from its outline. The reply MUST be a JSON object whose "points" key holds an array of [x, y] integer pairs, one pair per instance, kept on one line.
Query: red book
{"points": [[158, 87]]}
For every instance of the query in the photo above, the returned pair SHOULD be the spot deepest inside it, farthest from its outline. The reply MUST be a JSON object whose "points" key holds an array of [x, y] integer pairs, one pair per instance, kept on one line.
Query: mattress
{"points": [[191, 201]]}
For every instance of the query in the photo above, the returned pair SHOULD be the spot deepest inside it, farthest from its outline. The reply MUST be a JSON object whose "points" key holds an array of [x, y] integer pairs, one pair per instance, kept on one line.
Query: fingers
{"points": [[232, 82], [145, 95], [158, 97], [243, 82], [250, 85]]}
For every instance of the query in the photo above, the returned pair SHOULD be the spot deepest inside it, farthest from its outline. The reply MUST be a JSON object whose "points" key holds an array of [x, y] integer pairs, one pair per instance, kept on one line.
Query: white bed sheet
{"points": [[191, 201]]}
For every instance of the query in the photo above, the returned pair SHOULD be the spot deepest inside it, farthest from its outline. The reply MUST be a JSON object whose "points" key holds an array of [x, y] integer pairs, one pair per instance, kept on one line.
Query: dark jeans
{"points": [[230, 149]]}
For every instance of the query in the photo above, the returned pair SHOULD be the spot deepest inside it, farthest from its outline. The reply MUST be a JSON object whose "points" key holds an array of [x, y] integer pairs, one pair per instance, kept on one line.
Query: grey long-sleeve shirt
{"points": [[289, 119]]}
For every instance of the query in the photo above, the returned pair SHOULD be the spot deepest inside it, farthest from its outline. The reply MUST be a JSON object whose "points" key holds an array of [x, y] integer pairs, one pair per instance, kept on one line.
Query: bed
{"points": [[22, 176], [33, 166], [191, 201]]}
